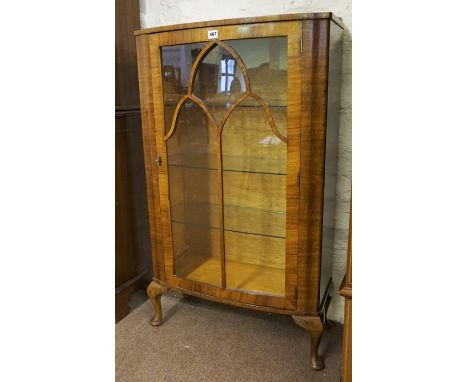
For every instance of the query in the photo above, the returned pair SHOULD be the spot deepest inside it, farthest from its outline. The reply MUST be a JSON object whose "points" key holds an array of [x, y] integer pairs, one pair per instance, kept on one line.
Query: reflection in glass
{"points": [[266, 60], [218, 81], [177, 63]]}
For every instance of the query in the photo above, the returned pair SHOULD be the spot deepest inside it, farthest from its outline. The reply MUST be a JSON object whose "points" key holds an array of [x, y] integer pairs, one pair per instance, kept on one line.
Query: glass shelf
{"points": [[255, 164], [239, 275], [236, 218]]}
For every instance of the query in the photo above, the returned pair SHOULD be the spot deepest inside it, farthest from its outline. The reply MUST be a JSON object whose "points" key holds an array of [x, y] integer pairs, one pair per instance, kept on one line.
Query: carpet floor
{"points": [[206, 341]]}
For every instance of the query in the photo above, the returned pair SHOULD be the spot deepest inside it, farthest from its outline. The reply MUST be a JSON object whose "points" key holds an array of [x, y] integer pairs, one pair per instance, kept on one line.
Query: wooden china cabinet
{"points": [[240, 130]]}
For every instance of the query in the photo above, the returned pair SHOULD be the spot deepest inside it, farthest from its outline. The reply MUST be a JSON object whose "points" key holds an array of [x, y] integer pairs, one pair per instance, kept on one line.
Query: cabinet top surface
{"points": [[244, 20]]}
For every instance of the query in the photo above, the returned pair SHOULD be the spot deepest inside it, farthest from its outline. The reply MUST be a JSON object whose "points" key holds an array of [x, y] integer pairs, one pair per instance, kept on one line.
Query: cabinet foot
{"points": [[155, 291], [314, 326]]}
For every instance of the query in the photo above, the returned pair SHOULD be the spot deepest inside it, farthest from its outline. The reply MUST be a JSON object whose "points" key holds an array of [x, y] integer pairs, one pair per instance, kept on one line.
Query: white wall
{"points": [[167, 12]]}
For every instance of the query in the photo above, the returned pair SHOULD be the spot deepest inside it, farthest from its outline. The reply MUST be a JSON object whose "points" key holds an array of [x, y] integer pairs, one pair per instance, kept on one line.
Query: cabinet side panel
{"points": [[149, 144], [313, 129], [331, 154]]}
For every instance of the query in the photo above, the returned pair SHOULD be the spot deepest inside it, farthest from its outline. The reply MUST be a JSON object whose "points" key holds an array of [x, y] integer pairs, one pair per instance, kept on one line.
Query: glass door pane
{"points": [[192, 171], [254, 171], [226, 140]]}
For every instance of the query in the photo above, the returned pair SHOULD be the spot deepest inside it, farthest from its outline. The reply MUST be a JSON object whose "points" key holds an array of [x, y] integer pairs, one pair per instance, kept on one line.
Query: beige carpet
{"points": [[206, 341]]}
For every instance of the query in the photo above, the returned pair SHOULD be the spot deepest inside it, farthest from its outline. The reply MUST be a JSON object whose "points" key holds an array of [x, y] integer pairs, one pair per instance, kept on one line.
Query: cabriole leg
{"points": [[155, 291], [314, 326]]}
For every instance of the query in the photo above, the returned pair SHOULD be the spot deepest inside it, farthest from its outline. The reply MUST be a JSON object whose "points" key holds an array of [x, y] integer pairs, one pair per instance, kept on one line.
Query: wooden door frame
{"points": [[293, 30]]}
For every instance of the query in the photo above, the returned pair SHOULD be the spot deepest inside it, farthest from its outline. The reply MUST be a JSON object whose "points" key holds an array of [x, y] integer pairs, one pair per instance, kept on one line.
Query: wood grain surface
{"points": [[132, 257], [346, 292], [313, 132], [226, 202]]}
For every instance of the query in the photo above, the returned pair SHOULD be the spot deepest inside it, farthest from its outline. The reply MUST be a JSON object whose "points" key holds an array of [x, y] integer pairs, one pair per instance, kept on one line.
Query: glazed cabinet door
{"points": [[227, 131]]}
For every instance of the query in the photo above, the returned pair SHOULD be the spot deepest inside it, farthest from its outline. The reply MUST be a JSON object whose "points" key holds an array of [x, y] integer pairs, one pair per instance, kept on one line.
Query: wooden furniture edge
{"points": [[312, 160], [261, 308], [123, 292], [126, 108], [131, 281], [346, 366], [121, 111], [345, 289], [244, 20], [147, 125], [346, 284]]}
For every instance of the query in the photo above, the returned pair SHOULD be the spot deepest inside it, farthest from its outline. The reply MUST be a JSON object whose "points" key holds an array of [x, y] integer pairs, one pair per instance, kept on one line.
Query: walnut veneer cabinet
{"points": [[240, 130]]}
